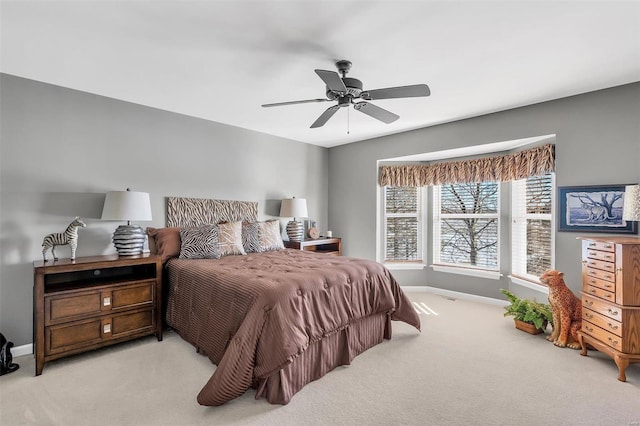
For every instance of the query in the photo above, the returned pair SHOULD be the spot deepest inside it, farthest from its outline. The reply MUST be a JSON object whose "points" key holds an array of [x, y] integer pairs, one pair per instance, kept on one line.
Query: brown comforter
{"points": [[252, 315]]}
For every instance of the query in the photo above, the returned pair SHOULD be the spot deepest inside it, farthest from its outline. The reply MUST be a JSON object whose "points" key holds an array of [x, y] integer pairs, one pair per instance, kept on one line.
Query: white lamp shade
{"points": [[294, 207], [631, 209], [126, 205]]}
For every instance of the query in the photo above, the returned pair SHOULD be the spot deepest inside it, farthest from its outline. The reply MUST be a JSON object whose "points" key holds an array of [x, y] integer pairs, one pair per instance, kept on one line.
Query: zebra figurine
{"points": [[69, 236]]}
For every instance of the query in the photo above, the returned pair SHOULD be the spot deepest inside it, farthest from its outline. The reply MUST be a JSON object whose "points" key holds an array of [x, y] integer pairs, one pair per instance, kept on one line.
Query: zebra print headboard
{"points": [[189, 212]]}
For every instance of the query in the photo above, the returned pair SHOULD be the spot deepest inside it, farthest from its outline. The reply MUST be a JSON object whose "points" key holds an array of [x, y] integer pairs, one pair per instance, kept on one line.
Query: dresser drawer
{"points": [[602, 275], [602, 294], [602, 335], [601, 245], [605, 285], [601, 306], [80, 334], [601, 255], [79, 304], [603, 322], [601, 264]]}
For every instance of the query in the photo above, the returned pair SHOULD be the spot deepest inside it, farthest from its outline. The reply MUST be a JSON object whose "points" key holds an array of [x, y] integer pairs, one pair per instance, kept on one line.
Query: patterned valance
{"points": [[532, 162]]}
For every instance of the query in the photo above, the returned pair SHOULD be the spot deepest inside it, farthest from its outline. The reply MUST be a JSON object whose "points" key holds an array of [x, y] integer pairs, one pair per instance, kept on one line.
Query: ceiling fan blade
{"points": [[295, 102], [413, 91], [332, 80], [325, 116], [376, 112]]}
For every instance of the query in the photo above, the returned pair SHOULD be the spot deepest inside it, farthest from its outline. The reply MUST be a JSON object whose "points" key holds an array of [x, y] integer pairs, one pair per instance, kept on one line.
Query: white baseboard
{"points": [[17, 351], [28, 348], [455, 295]]}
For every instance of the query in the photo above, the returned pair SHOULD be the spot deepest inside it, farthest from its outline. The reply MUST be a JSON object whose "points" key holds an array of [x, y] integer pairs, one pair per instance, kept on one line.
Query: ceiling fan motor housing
{"points": [[354, 88]]}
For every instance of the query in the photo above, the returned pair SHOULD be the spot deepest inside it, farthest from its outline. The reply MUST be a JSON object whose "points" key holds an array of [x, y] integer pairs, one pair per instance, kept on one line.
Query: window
{"points": [[466, 225], [532, 228], [402, 224]]}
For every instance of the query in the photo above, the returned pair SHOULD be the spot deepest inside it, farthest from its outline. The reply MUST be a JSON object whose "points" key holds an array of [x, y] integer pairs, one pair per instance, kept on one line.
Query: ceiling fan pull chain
{"points": [[348, 111]]}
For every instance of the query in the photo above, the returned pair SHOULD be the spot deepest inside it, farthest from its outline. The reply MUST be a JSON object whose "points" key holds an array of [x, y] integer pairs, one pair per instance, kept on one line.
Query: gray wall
{"points": [[597, 143], [61, 150]]}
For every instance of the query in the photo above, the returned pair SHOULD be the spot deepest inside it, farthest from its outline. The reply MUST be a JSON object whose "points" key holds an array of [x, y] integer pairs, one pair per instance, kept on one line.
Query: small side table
{"points": [[331, 246]]}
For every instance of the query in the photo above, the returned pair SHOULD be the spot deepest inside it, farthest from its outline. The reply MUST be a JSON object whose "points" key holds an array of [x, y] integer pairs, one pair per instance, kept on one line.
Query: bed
{"points": [[277, 319]]}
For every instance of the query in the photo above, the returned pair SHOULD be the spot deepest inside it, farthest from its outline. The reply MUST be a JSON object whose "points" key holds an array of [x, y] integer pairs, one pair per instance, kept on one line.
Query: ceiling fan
{"points": [[346, 90]]}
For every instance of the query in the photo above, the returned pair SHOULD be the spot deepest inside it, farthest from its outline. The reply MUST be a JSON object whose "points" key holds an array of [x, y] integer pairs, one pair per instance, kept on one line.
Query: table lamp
{"points": [[631, 210], [127, 205], [294, 207]]}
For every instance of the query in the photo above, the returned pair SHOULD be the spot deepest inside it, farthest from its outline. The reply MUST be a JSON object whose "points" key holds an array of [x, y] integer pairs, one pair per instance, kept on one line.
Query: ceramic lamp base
{"points": [[129, 240], [295, 230]]}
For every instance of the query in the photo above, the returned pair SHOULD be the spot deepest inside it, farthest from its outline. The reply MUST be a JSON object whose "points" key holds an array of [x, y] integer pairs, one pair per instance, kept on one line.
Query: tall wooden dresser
{"points": [[611, 299]]}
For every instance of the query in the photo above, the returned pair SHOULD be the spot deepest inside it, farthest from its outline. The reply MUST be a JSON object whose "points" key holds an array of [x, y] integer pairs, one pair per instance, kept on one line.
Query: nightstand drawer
{"points": [[79, 334], [78, 304]]}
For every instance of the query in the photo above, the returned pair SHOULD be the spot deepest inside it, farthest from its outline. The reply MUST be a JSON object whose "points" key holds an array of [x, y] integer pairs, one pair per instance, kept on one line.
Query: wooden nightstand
{"points": [[94, 302], [321, 245]]}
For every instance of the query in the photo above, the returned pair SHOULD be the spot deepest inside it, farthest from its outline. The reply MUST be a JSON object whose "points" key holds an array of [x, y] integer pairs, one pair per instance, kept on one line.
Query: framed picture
{"points": [[593, 209]]}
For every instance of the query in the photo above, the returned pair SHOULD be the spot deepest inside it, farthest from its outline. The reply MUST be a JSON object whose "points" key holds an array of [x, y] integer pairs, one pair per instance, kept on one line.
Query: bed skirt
{"points": [[324, 355]]}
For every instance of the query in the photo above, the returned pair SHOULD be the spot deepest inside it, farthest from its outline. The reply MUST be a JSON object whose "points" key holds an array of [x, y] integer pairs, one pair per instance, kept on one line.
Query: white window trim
{"points": [[452, 267], [381, 234], [533, 285], [468, 270], [522, 277]]}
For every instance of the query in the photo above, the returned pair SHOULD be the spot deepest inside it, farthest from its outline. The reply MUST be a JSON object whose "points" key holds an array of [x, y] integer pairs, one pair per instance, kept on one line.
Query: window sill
{"points": [[404, 266], [480, 273], [529, 284]]}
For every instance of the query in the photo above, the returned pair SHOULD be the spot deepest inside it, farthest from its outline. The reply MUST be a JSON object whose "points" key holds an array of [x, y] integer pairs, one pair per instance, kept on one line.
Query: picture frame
{"points": [[594, 208]]}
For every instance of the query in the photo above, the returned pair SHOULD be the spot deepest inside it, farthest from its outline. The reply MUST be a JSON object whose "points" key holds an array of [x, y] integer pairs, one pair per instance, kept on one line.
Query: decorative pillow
{"points": [[199, 243], [250, 238], [230, 239], [166, 242], [269, 236]]}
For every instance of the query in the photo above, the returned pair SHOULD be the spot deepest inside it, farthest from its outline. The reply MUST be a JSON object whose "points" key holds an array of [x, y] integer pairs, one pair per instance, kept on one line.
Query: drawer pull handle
{"points": [[592, 244], [588, 302], [107, 328], [607, 286], [592, 263], [588, 329], [592, 272], [606, 256], [608, 246], [592, 253], [106, 301], [611, 326], [615, 342], [593, 290], [612, 312], [588, 315], [608, 277], [592, 281]]}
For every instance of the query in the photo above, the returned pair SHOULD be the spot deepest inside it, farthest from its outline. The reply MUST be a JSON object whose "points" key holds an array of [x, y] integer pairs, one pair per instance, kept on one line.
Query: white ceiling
{"points": [[220, 60]]}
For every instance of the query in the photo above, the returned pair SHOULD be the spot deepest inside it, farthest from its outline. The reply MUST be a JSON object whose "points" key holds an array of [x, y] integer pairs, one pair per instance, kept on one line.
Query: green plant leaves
{"points": [[536, 313]]}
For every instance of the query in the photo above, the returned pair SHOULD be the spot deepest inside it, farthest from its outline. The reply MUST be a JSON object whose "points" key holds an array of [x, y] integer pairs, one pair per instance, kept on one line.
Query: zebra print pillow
{"points": [[250, 238], [258, 237], [230, 238], [199, 243]]}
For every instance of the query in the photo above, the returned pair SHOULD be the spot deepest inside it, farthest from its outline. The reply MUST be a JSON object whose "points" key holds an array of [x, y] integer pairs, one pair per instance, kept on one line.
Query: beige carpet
{"points": [[469, 366]]}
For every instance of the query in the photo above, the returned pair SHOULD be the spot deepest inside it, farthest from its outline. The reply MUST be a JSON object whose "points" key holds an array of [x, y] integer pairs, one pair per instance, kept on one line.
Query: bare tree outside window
{"points": [[468, 221], [403, 225]]}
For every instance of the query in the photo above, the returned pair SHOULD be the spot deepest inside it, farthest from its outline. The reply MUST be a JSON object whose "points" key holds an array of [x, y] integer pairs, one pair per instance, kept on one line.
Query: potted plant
{"points": [[529, 315]]}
